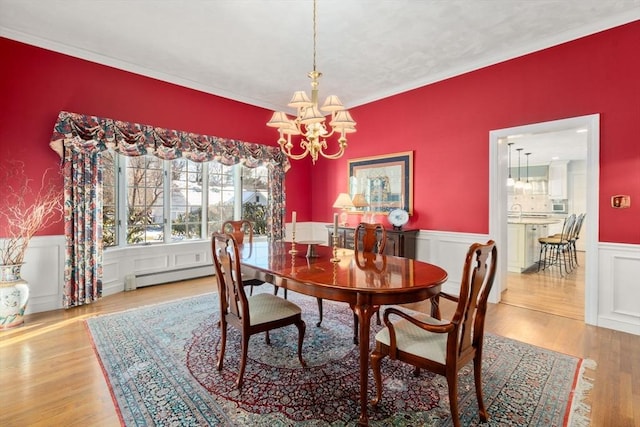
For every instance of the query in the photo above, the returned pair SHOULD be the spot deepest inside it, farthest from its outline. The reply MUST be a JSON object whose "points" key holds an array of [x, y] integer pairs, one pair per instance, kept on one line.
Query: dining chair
{"points": [[249, 314], [443, 347], [241, 229]]}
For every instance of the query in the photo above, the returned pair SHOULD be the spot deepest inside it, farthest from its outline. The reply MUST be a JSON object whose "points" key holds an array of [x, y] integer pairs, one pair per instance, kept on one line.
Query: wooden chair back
{"points": [[226, 260], [239, 229], [370, 238], [477, 280]]}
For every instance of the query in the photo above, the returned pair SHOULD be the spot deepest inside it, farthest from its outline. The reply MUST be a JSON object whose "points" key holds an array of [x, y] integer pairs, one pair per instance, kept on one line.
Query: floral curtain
{"points": [[79, 139], [82, 226]]}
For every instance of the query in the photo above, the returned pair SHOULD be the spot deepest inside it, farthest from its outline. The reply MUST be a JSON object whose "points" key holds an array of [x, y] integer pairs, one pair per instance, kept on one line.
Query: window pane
{"points": [[109, 217], [221, 195], [255, 197], [186, 199], [145, 211]]}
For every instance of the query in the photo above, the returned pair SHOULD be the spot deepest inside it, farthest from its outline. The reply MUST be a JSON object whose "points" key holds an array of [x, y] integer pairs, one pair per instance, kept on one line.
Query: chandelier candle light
{"points": [[310, 122]]}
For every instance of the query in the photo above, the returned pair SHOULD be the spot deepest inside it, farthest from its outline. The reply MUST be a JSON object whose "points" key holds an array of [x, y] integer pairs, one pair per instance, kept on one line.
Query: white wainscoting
{"points": [[619, 287], [154, 264], [44, 272], [618, 265]]}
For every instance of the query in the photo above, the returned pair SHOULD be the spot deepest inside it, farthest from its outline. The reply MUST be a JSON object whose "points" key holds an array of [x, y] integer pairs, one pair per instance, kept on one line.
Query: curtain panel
{"points": [[79, 139]]}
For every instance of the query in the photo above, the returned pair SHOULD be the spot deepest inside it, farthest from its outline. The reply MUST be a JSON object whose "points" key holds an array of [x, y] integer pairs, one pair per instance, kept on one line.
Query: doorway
{"points": [[498, 199]]}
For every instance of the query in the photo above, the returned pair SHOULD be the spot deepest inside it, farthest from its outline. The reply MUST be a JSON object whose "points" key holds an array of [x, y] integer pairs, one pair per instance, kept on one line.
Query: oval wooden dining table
{"points": [[364, 281]]}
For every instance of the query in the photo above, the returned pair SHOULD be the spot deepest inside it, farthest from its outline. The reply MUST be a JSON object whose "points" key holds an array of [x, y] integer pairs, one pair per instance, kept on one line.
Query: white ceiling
{"points": [[259, 51]]}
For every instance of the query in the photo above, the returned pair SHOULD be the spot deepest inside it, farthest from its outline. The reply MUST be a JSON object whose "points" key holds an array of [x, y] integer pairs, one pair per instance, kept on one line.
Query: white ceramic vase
{"points": [[14, 295]]}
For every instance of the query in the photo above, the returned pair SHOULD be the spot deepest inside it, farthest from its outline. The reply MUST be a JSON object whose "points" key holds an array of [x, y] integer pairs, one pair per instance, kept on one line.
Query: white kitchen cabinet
{"points": [[558, 180]]}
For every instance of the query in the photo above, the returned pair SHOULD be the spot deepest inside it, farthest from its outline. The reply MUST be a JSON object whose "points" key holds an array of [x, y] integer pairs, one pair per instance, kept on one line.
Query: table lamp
{"points": [[360, 203], [343, 202]]}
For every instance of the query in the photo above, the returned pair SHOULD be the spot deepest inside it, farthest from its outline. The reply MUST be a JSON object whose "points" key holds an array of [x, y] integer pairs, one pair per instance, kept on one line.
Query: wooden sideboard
{"points": [[399, 242]]}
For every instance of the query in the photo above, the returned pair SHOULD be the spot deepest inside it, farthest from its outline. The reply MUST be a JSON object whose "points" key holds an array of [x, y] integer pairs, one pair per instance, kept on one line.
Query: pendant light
{"points": [[519, 184], [510, 181], [527, 185]]}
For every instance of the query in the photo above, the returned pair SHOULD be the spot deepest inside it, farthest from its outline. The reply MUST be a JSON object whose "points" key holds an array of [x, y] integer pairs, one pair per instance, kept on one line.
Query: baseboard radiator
{"points": [[134, 281]]}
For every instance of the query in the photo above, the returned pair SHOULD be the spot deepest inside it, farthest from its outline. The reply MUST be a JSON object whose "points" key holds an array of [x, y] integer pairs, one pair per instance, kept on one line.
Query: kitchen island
{"points": [[523, 234]]}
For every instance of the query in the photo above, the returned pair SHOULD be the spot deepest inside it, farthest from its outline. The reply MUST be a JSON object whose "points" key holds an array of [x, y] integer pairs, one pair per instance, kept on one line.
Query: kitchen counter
{"points": [[533, 220]]}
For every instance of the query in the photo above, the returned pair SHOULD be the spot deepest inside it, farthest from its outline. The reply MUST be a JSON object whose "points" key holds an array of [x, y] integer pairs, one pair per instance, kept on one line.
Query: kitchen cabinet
{"points": [[558, 180], [399, 242]]}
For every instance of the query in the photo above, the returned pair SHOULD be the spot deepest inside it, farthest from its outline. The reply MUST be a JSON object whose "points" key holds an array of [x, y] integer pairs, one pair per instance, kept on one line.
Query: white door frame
{"points": [[498, 174]]}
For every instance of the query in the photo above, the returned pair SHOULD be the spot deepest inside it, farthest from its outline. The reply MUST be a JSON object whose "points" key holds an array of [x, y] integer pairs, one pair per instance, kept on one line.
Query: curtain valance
{"points": [[91, 133]]}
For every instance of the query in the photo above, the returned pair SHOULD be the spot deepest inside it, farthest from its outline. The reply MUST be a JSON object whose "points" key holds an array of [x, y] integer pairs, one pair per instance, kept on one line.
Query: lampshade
{"points": [[359, 201], [332, 103], [343, 201]]}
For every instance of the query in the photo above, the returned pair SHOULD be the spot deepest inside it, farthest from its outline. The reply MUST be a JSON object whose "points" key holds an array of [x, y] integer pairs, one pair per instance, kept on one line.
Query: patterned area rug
{"points": [[160, 364]]}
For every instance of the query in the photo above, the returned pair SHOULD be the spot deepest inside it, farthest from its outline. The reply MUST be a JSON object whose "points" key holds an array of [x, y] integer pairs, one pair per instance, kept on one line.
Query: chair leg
{"points": [[243, 361], [301, 330], [267, 338], [319, 311], [223, 343], [477, 376], [452, 383], [376, 358], [565, 258], [540, 261]]}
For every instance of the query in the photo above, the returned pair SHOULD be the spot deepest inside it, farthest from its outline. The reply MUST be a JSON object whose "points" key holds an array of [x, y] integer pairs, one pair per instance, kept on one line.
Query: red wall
{"points": [[36, 84], [447, 124]]}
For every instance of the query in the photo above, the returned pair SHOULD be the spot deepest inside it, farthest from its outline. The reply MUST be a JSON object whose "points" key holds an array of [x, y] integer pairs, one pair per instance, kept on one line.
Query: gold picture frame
{"points": [[380, 184]]}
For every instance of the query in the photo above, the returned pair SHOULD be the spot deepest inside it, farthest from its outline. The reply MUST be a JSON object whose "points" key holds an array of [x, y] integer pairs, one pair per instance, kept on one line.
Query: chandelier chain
{"points": [[315, 34]]}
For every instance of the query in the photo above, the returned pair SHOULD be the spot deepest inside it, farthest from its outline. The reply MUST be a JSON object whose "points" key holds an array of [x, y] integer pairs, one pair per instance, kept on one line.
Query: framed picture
{"points": [[381, 184]]}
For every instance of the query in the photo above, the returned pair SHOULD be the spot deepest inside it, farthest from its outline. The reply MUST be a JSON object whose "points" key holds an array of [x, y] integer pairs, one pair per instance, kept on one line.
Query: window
{"points": [[201, 197]]}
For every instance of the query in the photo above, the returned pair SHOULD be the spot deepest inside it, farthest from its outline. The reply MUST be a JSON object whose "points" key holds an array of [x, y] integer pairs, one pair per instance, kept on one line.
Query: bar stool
{"points": [[555, 250]]}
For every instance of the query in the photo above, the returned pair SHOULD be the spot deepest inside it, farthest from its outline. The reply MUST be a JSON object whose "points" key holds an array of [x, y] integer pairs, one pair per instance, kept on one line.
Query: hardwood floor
{"points": [[49, 374], [547, 291]]}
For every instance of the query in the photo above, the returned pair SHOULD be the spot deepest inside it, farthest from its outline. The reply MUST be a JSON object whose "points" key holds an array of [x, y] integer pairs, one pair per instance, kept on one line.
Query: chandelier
{"points": [[310, 122]]}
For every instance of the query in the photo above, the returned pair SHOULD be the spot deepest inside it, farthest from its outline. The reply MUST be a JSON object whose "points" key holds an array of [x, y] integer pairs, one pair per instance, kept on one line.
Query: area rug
{"points": [[159, 362]]}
